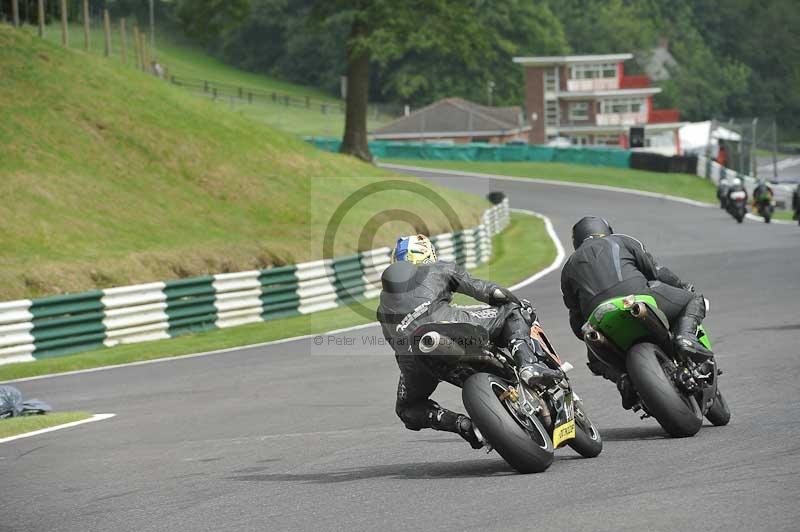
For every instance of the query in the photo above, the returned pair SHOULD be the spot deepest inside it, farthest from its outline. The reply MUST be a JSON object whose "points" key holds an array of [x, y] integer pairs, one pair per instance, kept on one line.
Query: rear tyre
{"points": [[678, 414], [719, 414], [587, 441], [527, 449]]}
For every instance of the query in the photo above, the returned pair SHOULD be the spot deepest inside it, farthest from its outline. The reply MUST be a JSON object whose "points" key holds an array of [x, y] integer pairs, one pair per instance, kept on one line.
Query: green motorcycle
{"points": [[633, 335]]}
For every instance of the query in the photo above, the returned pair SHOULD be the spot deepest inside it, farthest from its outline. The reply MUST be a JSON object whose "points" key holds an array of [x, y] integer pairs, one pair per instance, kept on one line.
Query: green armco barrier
{"points": [[190, 305], [60, 325], [382, 149], [67, 324]]}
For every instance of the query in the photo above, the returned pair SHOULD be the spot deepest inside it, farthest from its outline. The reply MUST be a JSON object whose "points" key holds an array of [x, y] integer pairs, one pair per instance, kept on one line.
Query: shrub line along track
{"points": [[299, 437]]}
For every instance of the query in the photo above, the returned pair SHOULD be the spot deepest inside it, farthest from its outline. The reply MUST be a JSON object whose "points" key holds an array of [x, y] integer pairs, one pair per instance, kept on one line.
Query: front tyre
{"points": [[678, 414], [719, 414], [587, 441], [522, 442]]}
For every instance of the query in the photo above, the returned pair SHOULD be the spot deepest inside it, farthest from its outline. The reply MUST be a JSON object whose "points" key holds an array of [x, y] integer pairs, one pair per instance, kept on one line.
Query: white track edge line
{"points": [[96, 417], [536, 276], [540, 181], [560, 253]]}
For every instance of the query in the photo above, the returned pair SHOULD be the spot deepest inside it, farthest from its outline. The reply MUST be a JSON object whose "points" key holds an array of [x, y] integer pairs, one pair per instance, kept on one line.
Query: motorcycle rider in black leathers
{"points": [[607, 265], [418, 290]]}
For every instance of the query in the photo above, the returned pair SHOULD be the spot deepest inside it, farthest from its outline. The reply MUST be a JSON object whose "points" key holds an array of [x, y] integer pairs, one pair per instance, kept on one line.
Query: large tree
{"points": [[383, 30], [513, 28]]}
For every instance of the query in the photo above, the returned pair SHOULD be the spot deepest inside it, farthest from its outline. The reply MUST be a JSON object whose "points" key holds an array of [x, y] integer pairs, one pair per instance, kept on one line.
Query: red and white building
{"points": [[589, 100]]}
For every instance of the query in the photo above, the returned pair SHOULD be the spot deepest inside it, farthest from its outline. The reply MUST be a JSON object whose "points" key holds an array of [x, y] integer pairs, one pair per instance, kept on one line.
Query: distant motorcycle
{"points": [[763, 202], [736, 204]]}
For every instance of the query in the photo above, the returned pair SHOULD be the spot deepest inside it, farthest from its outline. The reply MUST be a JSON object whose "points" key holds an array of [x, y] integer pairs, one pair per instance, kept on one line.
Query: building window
{"points": [[593, 70], [579, 111], [622, 105], [606, 140], [579, 140]]}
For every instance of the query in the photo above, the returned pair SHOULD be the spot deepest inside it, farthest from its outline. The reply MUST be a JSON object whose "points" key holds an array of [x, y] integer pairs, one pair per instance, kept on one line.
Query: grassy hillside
{"points": [[186, 61], [109, 176]]}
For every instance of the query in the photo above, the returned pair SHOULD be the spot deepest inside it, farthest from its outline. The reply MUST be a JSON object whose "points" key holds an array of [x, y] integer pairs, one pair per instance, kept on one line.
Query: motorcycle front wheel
{"points": [[719, 414], [522, 441], [587, 441], [678, 414]]}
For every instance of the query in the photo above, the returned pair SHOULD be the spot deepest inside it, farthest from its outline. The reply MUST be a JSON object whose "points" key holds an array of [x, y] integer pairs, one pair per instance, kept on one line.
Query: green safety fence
{"points": [[383, 149]]}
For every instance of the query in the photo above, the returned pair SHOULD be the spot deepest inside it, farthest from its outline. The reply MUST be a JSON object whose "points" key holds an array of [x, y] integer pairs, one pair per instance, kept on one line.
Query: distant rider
{"points": [[762, 190], [418, 290], [607, 265]]}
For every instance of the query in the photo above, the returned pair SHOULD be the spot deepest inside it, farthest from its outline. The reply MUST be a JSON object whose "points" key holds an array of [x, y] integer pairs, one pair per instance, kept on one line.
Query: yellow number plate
{"points": [[563, 433]]}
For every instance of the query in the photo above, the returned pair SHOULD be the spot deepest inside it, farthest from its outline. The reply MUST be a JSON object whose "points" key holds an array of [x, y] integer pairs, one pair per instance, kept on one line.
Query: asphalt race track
{"points": [[299, 437]]}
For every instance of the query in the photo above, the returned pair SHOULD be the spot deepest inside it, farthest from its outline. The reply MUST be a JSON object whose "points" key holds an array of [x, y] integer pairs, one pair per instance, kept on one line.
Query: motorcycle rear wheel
{"points": [[587, 441], [528, 449], [719, 414], [678, 414]]}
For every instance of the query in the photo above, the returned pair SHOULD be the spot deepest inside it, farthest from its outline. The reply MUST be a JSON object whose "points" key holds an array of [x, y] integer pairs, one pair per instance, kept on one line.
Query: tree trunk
{"points": [[354, 141]]}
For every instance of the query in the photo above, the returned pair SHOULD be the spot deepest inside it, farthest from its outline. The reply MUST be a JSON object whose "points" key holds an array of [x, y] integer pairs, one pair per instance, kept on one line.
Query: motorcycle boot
{"points": [[685, 330], [626, 392], [467, 431], [442, 419], [686, 340], [531, 369]]}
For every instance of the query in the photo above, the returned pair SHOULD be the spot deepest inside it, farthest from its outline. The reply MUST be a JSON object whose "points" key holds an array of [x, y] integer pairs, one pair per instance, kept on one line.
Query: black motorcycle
{"points": [[763, 203], [524, 424], [736, 204], [796, 204]]}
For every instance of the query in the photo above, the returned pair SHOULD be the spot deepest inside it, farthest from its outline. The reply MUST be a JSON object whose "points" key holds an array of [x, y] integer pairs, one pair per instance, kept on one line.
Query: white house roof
{"points": [[571, 59]]}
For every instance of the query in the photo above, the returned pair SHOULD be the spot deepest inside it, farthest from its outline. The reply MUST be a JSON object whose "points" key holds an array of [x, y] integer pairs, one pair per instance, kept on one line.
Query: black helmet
{"points": [[401, 277], [587, 227]]}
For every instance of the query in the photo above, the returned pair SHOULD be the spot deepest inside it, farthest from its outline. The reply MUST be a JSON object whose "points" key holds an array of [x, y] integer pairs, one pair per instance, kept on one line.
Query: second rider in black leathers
{"points": [[607, 265], [418, 290]]}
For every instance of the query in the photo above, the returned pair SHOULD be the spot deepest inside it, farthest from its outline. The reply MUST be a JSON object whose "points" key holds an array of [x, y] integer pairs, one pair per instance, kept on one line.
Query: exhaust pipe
{"points": [[597, 340], [429, 342], [442, 345], [651, 322]]}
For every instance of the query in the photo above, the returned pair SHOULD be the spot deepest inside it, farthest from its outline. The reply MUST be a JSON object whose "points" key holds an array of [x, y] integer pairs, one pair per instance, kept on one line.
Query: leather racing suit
{"points": [[426, 299], [618, 265]]}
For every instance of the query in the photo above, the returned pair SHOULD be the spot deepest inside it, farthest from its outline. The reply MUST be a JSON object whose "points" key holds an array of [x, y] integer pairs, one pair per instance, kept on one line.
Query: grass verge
{"points": [[783, 215], [111, 177], [20, 425], [683, 185], [521, 250]]}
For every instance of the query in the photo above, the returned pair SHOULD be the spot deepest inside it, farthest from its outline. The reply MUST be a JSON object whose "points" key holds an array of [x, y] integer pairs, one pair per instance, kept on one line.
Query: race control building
{"points": [[589, 100]]}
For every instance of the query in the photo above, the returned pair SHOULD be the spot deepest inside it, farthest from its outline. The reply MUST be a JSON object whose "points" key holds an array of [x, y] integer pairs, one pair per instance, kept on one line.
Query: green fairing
{"points": [[615, 321]]}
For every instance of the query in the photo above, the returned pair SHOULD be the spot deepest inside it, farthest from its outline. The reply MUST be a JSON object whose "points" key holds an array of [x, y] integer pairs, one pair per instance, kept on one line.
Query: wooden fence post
{"points": [[64, 30], [123, 38], [136, 51], [86, 25], [107, 30], [40, 13], [15, 12], [145, 51]]}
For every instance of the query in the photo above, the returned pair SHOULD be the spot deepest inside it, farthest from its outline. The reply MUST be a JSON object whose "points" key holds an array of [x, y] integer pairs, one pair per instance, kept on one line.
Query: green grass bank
{"points": [[111, 177]]}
